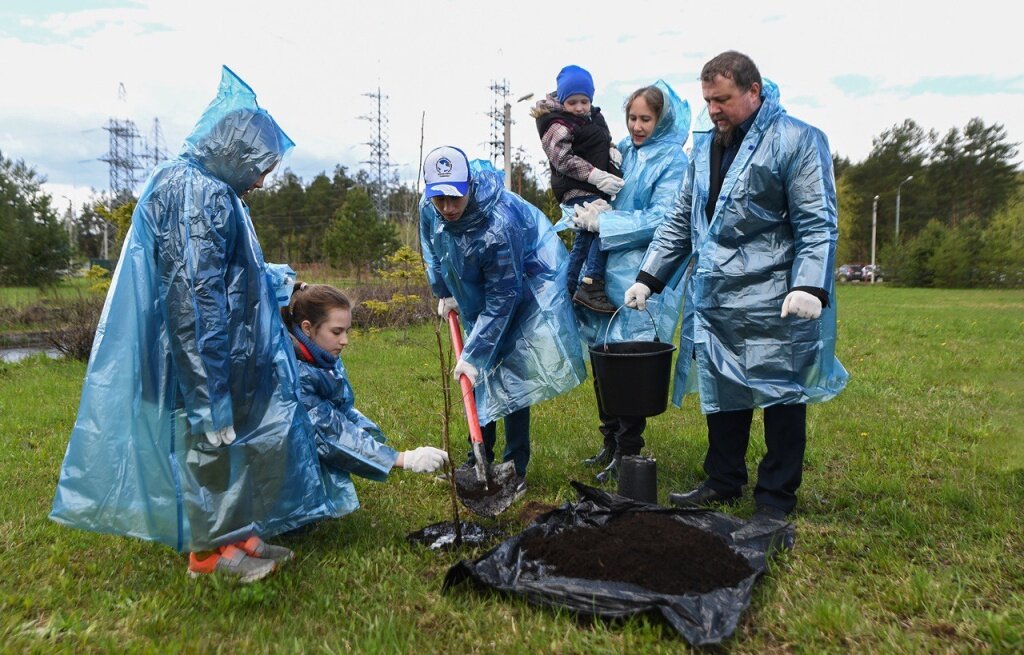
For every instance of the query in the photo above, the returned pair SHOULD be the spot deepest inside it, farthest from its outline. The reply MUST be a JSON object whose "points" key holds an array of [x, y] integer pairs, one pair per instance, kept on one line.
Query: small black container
{"points": [[638, 478]]}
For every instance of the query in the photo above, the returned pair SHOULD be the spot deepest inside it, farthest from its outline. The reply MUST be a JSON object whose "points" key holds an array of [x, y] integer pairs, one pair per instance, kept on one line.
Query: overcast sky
{"points": [[852, 70]]}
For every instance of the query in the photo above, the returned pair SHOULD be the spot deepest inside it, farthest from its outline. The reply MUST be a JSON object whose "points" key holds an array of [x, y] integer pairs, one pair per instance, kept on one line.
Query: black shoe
{"points": [[610, 473], [769, 513], [602, 458], [591, 295], [702, 496]]}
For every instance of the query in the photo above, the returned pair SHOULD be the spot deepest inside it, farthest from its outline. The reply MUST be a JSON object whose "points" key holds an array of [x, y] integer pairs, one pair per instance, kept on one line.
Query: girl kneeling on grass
{"points": [[319, 317]]}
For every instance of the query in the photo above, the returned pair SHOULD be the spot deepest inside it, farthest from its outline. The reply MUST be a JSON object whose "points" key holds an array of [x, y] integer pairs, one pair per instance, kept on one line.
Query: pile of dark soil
{"points": [[647, 549]]}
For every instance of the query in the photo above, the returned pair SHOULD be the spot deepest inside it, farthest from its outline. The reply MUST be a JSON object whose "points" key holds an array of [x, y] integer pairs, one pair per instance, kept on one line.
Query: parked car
{"points": [[851, 273], [867, 270]]}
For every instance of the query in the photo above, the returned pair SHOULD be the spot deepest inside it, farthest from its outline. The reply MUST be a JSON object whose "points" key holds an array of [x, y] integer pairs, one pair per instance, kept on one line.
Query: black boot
{"points": [[591, 295], [610, 473], [602, 458]]}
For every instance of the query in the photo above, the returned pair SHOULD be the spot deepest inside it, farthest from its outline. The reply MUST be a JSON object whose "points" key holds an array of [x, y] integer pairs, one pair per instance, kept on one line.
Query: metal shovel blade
{"points": [[488, 498]]}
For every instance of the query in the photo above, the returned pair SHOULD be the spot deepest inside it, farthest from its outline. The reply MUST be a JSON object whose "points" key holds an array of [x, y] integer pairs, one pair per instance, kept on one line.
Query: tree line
{"points": [[961, 220], [961, 216]]}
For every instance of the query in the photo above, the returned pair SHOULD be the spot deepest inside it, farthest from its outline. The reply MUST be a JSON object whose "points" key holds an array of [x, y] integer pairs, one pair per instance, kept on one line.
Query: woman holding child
{"points": [[653, 167]]}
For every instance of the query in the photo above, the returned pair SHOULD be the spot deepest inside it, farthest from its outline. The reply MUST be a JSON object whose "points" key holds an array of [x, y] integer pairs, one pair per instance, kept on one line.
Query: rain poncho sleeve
{"points": [[191, 340], [346, 439], [623, 229], [191, 265], [671, 240], [430, 259]]}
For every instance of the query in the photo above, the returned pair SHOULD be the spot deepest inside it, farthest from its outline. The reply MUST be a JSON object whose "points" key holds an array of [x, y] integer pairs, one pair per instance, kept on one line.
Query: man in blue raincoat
{"points": [[758, 216], [189, 432], [495, 259]]}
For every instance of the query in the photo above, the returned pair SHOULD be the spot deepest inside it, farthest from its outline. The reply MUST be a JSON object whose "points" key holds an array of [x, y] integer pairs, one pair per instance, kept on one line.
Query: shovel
{"points": [[485, 490]]}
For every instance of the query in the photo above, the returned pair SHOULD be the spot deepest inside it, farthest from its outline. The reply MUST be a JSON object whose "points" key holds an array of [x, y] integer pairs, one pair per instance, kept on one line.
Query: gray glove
{"points": [[425, 459], [586, 215], [465, 368], [637, 295], [445, 305], [223, 436], [801, 304], [615, 156], [606, 182]]}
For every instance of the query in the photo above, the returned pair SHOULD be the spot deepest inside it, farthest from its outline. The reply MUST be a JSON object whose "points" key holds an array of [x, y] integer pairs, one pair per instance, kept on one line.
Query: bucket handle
{"points": [[609, 326]]}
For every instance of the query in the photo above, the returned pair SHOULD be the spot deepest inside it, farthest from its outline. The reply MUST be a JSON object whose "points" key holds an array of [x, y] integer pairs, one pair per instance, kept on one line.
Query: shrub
{"points": [[76, 329]]}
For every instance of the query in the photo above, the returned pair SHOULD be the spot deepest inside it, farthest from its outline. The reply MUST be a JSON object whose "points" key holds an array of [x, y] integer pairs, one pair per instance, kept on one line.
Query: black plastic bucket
{"points": [[632, 377], [638, 478]]}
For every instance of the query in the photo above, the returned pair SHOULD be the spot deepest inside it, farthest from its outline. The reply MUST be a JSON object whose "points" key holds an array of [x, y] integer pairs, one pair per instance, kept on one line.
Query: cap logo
{"points": [[444, 167]]}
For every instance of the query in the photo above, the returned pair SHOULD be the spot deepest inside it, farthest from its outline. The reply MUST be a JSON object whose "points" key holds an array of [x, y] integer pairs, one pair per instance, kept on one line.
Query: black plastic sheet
{"points": [[702, 619]]}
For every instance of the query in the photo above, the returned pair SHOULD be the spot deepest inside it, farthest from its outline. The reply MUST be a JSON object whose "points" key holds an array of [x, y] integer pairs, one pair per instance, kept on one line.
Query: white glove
{"points": [[223, 436], [637, 295], [425, 459], [606, 182], [586, 215], [615, 156], [802, 304], [465, 368], [445, 305]]}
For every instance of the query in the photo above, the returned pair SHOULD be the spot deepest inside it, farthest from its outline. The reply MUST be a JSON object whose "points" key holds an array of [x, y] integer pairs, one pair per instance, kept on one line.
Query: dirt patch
{"points": [[647, 549], [532, 509]]}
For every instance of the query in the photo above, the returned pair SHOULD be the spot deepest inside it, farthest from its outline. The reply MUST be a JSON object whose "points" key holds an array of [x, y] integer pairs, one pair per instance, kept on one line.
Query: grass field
{"points": [[909, 535]]}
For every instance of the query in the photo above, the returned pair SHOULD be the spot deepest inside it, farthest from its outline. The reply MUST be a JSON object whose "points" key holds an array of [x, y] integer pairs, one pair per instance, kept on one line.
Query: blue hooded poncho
{"points": [[774, 228], [190, 340], [348, 443], [653, 174], [506, 267]]}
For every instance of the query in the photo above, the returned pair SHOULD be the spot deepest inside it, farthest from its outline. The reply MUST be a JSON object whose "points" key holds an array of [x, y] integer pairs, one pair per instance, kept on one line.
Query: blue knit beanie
{"points": [[573, 80]]}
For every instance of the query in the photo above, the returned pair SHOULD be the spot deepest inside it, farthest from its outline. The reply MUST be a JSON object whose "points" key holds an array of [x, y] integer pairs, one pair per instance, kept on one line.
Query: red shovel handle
{"points": [[468, 399]]}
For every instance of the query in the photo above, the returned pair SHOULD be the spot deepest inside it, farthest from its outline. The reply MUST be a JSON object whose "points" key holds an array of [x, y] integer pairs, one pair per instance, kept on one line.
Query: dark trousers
{"points": [[779, 473], [623, 435], [517, 440]]}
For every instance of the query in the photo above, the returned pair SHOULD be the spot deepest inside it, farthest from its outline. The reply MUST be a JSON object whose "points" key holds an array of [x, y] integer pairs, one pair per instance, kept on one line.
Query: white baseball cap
{"points": [[446, 172]]}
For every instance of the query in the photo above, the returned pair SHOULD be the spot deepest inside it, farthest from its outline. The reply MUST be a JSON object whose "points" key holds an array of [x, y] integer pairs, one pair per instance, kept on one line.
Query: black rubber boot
{"points": [[602, 458], [610, 473], [591, 295]]}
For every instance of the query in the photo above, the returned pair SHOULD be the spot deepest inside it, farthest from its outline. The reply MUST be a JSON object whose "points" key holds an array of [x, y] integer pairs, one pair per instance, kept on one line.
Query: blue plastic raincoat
{"points": [[347, 442], [506, 267], [189, 341], [653, 175], [774, 228]]}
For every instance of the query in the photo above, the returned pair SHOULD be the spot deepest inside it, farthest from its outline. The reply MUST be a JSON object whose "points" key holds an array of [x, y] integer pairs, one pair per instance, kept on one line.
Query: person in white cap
{"points": [[495, 259]]}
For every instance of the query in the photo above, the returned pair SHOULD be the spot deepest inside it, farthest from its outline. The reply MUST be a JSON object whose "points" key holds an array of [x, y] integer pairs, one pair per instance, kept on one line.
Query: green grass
{"points": [[908, 530]]}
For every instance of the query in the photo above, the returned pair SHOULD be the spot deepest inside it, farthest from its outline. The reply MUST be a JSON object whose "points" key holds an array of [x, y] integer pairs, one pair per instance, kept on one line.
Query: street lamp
{"points": [[898, 189], [874, 228]]}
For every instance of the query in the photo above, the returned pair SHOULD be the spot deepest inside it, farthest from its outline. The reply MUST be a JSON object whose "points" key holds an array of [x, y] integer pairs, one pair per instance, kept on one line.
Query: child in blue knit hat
{"points": [[584, 173]]}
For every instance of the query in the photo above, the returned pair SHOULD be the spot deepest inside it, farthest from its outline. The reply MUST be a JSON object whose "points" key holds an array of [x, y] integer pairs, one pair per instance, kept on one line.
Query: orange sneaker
{"points": [[256, 547], [233, 561]]}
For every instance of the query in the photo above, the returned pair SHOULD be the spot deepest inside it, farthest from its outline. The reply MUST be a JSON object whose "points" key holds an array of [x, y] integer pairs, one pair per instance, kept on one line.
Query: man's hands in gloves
{"points": [[425, 459], [586, 215], [445, 305], [606, 182], [637, 295], [223, 436], [615, 156], [802, 304], [465, 368]]}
